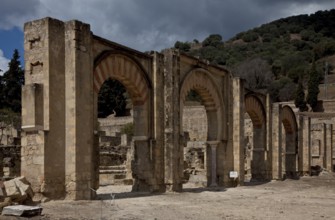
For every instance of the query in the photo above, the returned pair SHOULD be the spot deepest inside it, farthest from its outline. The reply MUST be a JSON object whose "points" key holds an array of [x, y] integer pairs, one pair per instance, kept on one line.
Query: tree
{"points": [[111, 99], [313, 87], [299, 100], [182, 46], [214, 40], [11, 84], [256, 72]]}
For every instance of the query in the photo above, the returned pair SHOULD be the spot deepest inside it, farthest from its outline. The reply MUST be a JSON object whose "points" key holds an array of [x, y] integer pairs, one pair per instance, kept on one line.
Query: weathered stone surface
{"points": [[22, 210], [18, 189], [24, 186], [11, 189], [6, 202]]}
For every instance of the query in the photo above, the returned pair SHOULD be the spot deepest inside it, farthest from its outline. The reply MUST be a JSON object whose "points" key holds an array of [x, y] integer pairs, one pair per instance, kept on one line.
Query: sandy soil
{"points": [[307, 198]]}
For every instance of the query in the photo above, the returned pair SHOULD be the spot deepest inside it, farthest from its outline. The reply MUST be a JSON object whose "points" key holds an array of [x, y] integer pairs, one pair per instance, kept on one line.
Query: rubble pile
{"points": [[14, 192]]}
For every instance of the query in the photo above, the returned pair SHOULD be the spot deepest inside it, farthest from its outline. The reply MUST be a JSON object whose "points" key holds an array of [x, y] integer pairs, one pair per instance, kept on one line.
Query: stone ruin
{"points": [[10, 152], [65, 67], [115, 151], [115, 147]]}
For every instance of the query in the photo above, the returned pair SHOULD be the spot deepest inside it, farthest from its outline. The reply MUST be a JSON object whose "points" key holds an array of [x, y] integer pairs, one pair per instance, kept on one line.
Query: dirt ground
{"points": [[306, 198]]}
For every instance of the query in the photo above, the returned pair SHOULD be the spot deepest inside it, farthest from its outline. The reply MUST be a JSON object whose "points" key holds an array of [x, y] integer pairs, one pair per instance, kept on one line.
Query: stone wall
{"points": [[10, 136], [10, 152], [195, 122], [112, 125], [326, 106]]}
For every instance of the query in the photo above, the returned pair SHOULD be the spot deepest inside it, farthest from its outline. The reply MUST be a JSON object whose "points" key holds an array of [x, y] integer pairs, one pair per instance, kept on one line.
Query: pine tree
{"points": [[1, 92], [11, 84], [313, 87], [299, 100]]}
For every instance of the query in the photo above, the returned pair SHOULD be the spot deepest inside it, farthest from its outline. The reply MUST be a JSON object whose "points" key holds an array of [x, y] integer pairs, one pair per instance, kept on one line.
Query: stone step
{"points": [[116, 172], [106, 182], [117, 167]]}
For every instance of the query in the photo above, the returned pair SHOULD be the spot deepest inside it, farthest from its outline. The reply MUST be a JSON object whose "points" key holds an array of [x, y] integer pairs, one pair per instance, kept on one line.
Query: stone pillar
{"points": [[212, 124], [267, 153], [258, 166], [212, 163], [79, 112], [141, 164], [290, 154], [238, 127], [276, 142], [158, 119], [328, 140], [304, 145], [43, 104], [173, 153]]}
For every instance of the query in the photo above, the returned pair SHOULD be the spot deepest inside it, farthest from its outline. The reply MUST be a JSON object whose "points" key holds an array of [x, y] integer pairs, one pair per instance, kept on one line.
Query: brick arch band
{"points": [[289, 120], [199, 81], [255, 109], [125, 70]]}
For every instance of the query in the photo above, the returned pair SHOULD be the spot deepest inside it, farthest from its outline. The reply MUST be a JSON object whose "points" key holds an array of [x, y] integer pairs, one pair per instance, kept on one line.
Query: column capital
{"points": [[213, 143]]}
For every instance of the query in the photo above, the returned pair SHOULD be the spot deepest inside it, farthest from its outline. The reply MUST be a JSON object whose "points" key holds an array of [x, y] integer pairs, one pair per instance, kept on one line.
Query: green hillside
{"points": [[274, 56]]}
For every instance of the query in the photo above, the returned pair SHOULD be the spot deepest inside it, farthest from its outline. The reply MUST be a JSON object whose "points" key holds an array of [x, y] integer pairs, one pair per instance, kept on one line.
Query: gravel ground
{"points": [[306, 198]]}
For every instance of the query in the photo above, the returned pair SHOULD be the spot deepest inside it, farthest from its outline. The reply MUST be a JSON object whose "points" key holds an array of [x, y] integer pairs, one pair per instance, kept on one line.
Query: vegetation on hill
{"points": [[274, 56]]}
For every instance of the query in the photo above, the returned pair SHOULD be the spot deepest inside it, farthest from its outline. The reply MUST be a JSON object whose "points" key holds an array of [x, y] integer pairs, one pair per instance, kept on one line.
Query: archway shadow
{"points": [[125, 195], [204, 189], [256, 182]]}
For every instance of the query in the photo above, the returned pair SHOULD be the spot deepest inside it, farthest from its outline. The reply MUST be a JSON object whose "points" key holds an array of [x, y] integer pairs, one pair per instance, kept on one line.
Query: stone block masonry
{"points": [[65, 66]]}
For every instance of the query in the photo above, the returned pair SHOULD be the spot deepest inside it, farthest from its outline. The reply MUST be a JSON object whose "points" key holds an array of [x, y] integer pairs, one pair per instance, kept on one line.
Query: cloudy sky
{"points": [[149, 24]]}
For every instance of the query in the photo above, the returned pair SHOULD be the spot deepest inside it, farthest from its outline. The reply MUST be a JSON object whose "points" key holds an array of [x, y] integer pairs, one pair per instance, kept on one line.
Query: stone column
{"points": [[141, 164], [79, 112], [258, 167], [173, 153], [238, 127], [212, 163], [304, 145], [290, 154], [158, 119], [267, 153], [276, 142], [328, 140]]}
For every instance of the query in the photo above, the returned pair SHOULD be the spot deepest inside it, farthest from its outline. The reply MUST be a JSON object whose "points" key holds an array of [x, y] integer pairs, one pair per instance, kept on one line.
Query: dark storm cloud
{"points": [[160, 23], [156, 24], [301, 2], [13, 12]]}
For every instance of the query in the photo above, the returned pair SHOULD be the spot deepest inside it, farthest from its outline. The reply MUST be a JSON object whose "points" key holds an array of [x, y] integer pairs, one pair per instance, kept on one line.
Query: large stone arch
{"points": [[289, 142], [124, 69], [201, 81], [255, 151], [127, 71]]}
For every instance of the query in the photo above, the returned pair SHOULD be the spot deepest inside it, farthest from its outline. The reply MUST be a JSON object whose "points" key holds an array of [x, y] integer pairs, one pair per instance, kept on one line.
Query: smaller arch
{"points": [[289, 119], [255, 109], [124, 69], [200, 81]]}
